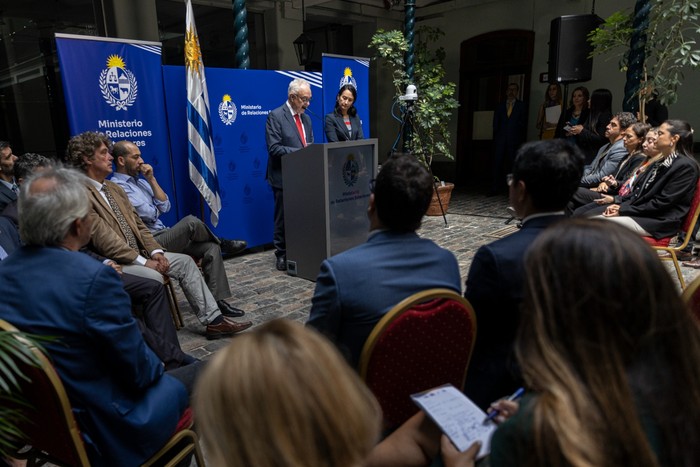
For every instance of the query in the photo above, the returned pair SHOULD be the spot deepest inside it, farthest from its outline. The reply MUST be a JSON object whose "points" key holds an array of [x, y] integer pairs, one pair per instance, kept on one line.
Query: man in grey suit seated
{"points": [[190, 235], [357, 287]]}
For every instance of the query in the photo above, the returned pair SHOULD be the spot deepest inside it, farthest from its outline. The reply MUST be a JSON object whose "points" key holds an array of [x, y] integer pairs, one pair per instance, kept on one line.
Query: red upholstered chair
{"points": [[686, 228], [51, 430], [423, 342], [691, 297]]}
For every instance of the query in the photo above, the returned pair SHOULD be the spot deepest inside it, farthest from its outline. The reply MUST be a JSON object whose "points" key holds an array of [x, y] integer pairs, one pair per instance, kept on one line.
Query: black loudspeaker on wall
{"points": [[569, 48]]}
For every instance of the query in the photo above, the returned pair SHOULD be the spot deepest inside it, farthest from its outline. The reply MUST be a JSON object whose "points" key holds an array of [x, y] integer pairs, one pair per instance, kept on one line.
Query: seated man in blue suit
{"points": [[125, 405], [545, 175], [357, 287]]}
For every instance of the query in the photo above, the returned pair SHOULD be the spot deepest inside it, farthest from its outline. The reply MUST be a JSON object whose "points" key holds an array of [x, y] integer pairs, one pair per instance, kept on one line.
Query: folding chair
{"points": [[424, 341], [686, 228], [51, 430]]}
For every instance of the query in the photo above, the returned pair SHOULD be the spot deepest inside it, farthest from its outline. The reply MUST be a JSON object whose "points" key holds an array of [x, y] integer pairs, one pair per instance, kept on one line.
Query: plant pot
{"points": [[445, 192]]}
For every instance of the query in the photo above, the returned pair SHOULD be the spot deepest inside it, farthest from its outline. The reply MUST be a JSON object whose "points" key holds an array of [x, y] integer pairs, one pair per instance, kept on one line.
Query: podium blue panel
{"points": [[240, 101], [339, 70], [115, 86]]}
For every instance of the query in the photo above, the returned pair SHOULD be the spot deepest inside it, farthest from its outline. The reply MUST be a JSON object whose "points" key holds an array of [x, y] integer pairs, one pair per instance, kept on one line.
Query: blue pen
{"points": [[513, 397]]}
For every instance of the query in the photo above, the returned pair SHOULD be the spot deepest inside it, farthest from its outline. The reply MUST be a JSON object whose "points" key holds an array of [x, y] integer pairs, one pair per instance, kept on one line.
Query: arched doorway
{"points": [[487, 64]]}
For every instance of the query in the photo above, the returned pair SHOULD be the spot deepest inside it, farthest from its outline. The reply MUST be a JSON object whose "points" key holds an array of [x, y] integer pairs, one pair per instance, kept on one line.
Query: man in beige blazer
{"points": [[119, 234]]}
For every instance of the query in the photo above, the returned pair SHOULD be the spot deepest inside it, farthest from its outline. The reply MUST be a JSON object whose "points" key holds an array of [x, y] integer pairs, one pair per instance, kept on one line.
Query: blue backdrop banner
{"points": [[240, 101], [119, 87], [115, 86], [339, 70]]}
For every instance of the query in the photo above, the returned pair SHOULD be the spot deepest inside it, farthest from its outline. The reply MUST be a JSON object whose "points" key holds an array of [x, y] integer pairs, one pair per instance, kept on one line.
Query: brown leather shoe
{"points": [[684, 255], [695, 264], [226, 328]]}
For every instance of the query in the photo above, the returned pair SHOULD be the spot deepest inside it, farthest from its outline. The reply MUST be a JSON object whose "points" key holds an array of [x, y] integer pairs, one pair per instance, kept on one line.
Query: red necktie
{"points": [[300, 129]]}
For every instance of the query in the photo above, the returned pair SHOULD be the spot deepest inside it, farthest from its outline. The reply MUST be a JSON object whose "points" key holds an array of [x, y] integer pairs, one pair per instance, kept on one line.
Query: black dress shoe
{"points": [[281, 264], [229, 310], [226, 328], [232, 247]]}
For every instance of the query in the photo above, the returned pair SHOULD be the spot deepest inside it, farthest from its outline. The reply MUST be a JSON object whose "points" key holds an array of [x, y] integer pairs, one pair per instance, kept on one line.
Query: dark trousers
{"points": [[152, 313], [582, 197], [278, 234]]}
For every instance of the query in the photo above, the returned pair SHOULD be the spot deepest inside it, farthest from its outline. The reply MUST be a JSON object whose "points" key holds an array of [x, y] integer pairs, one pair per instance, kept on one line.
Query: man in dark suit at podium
{"points": [[288, 129]]}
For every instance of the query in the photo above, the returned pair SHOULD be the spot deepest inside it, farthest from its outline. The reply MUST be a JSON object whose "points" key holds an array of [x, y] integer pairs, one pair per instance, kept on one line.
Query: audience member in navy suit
{"points": [[8, 188], [149, 301], [9, 238], [509, 126], [125, 405], [357, 287], [545, 175]]}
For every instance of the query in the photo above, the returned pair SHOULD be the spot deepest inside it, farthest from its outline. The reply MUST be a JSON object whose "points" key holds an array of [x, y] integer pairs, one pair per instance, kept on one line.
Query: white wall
{"points": [[464, 19]]}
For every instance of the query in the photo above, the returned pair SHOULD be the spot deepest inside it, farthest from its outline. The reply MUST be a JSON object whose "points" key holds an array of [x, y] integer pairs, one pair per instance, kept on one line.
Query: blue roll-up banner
{"points": [[339, 70], [115, 86], [120, 87], [240, 101]]}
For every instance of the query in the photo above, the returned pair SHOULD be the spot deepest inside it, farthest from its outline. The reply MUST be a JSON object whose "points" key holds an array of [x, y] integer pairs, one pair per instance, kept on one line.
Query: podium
{"points": [[326, 191]]}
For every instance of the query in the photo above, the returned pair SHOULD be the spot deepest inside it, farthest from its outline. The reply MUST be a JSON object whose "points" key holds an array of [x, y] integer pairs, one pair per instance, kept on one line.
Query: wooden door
{"points": [[488, 63]]}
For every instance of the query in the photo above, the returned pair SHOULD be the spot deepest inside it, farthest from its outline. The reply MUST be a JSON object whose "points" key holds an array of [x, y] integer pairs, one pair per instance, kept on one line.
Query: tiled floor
{"points": [[265, 293]]}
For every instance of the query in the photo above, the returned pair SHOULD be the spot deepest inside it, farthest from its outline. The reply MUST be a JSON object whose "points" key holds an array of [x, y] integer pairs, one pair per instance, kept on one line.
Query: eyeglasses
{"points": [[304, 99], [509, 179]]}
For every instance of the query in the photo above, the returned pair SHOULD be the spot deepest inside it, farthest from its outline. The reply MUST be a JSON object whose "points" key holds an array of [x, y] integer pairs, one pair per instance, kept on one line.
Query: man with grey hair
{"points": [[119, 234], [288, 129], [126, 405]]}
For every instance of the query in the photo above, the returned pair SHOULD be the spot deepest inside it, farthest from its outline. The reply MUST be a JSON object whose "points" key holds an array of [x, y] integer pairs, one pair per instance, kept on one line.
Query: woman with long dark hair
{"points": [[589, 133], [343, 124], [611, 363]]}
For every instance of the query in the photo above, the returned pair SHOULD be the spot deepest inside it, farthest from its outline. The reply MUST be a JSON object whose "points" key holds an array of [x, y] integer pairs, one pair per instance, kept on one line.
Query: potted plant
{"points": [[13, 349], [434, 108], [658, 43]]}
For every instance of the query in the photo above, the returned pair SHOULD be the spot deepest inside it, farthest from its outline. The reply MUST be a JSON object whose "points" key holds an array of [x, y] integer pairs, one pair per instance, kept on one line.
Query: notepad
{"points": [[552, 114], [457, 416]]}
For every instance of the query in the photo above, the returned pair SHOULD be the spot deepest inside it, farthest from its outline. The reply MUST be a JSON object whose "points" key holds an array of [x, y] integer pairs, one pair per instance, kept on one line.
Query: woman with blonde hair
{"points": [[283, 396], [552, 98], [612, 363]]}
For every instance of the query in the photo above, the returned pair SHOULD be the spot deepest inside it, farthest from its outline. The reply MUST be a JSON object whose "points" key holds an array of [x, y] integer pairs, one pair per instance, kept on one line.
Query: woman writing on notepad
{"points": [[612, 363]]}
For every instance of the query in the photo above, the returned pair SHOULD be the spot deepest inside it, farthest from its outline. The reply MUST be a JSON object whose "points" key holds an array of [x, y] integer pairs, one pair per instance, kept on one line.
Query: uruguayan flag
{"points": [[201, 147]]}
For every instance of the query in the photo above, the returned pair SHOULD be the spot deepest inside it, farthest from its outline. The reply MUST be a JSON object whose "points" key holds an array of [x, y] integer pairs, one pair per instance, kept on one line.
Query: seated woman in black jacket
{"points": [[661, 198]]}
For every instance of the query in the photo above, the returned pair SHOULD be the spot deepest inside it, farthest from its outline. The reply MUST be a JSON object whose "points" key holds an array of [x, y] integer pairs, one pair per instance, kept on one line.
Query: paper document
{"points": [[457, 416], [552, 113]]}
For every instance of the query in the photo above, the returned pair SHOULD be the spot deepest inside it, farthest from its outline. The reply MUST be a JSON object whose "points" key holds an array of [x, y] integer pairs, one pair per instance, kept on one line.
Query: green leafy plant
{"points": [[669, 31], [436, 104], [13, 349]]}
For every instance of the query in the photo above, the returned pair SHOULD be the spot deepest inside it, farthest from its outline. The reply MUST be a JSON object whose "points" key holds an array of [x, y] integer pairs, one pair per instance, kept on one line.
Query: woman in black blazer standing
{"points": [[343, 124]]}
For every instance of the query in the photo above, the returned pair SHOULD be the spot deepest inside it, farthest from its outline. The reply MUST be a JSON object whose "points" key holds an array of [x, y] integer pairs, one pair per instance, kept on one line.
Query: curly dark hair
{"points": [[82, 147]]}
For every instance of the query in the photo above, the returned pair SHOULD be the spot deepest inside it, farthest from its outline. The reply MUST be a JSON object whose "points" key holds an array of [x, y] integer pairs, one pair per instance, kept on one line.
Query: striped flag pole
{"points": [[202, 162]]}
